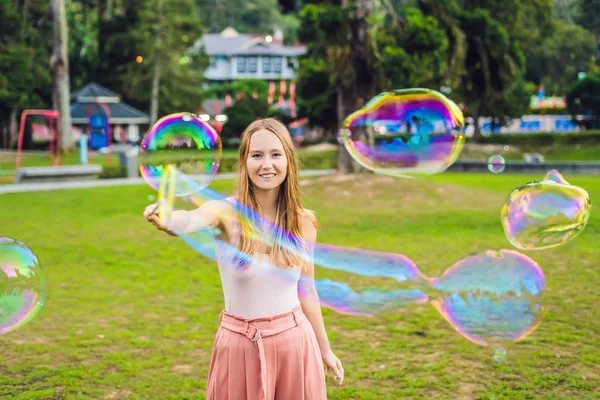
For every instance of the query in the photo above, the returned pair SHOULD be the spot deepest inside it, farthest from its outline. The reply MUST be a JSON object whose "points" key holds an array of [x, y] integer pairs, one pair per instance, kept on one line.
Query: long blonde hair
{"points": [[289, 205]]}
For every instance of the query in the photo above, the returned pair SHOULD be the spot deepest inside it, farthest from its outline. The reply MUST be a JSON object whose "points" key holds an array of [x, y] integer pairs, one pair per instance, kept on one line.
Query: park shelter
{"points": [[126, 122]]}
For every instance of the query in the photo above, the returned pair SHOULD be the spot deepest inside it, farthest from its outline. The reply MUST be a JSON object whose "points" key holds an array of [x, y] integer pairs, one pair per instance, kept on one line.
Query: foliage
{"points": [[316, 93], [25, 43], [247, 16], [411, 55], [584, 98], [557, 59], [240, 86], [241, 114], [588, 16]]}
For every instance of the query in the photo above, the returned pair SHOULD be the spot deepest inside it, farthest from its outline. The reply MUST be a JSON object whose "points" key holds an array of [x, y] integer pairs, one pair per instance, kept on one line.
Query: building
{"points": [[239, 56], [125, 122]]}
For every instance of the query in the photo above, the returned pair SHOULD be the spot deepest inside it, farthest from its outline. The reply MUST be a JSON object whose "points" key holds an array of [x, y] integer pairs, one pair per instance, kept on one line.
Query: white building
{"points": [[239, 56]]}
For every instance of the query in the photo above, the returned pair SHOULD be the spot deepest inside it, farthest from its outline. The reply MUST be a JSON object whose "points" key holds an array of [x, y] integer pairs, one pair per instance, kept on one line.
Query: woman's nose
{"points": [[267, 163]]}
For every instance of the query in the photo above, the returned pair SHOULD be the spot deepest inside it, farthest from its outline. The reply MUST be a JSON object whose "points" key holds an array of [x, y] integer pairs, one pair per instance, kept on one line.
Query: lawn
{"points": [[132, 313]]}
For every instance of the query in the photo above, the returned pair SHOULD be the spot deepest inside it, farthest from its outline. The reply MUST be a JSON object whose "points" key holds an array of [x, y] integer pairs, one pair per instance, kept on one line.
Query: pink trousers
{"points": [[274, 358]]}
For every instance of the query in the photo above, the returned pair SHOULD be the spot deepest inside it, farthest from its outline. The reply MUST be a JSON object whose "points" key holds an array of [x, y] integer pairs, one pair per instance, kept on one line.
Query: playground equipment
{"points": [[99, 132], [52, 118]]}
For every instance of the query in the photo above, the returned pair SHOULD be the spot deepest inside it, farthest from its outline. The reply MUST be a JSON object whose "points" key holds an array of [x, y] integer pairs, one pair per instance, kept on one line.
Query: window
{"points": [[277, 61], [241, 64], [252, 65], [266, 64]]}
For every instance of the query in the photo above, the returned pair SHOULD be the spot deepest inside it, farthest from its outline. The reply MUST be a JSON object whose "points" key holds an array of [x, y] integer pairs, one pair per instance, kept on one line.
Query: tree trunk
{"points": [[357, 86], [59, 62], [157, 68], [345, 162], [475, 114], [155, 90]]}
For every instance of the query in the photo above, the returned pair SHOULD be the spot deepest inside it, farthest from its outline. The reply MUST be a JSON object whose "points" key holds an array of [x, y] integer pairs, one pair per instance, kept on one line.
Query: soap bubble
{"points": [[406, 133], [182, 140], [544, 214], [491, 297], [22, 284], [500, 355], [496, 164], [374, 282]]}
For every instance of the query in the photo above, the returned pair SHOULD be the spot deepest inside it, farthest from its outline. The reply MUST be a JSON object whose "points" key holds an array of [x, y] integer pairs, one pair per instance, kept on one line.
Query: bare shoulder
{"points": [[308, 221]]}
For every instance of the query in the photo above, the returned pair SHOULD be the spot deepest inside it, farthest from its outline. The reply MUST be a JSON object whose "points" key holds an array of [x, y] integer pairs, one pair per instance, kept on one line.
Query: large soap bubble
{"points": [[22, 284], [492, 297], [182, 140], [407, 133], [543, 214]]}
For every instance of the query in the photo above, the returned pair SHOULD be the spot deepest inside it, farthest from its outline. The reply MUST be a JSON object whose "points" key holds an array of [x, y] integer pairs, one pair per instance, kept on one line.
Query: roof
{"points": [[227, 43], [120, 113], [92, 91]]}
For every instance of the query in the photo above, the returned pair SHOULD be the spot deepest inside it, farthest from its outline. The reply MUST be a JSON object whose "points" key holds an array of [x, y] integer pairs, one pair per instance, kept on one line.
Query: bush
{"points": [[113, 172]]}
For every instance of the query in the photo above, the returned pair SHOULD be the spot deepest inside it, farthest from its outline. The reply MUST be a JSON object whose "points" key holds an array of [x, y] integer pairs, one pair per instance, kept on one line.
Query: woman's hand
{"points": [[333, 363], [151, 215]]}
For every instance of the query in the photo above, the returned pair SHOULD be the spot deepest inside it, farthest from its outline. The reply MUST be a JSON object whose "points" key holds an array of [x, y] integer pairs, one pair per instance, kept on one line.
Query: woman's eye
{"points": [[255, 155], [277, 155]]}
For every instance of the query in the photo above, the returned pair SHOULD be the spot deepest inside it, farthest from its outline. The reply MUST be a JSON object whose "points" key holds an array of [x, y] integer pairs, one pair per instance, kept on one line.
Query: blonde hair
{"points": [[289, 205]]}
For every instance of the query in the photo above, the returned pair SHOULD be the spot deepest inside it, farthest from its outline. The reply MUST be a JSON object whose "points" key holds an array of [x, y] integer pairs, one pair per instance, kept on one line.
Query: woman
{"points": [[271, 340]]}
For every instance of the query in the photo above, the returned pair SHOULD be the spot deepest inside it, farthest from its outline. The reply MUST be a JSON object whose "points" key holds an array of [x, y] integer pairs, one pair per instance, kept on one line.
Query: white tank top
{"points": [[259, 289]]}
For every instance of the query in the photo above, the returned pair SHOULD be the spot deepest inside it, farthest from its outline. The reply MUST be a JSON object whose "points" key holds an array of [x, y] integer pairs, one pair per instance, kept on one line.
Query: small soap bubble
{"points": [[506, 148], [496, 164], [500, 355]]}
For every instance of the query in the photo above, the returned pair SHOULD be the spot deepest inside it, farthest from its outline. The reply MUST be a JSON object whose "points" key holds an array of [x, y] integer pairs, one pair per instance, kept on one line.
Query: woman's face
{"points": [[266, 163]]}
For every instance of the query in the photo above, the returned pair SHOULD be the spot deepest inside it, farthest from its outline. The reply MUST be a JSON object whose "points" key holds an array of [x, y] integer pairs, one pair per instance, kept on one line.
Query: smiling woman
{"points": [[270, 337]]}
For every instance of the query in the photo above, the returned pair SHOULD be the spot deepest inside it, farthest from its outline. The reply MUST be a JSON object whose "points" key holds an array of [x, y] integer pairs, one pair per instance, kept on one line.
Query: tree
{"points": [[248, 16], [316, 94], [412, 54], [584, 99], [337, 33], [241, 114], [25, 43], [486, 41], [588, 16], [60, 71], [245, 86], [493, 63], [556, 60]]}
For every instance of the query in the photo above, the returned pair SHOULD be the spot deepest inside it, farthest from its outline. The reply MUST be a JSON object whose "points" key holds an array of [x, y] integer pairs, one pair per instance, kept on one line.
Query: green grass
{"points": [[132, 313]]}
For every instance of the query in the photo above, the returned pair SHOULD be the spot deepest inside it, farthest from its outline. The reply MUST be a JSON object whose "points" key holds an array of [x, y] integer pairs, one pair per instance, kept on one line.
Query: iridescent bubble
{"points": [[407, 133], [544, 214], [373, 282], [500, 355], [491, 297], [496, 164], [182, 140], [506, 148], [22, 284]]}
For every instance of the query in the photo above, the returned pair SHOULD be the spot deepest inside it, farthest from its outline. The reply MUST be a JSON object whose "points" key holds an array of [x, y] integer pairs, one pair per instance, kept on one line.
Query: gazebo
{"points": [[125, 121]]}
